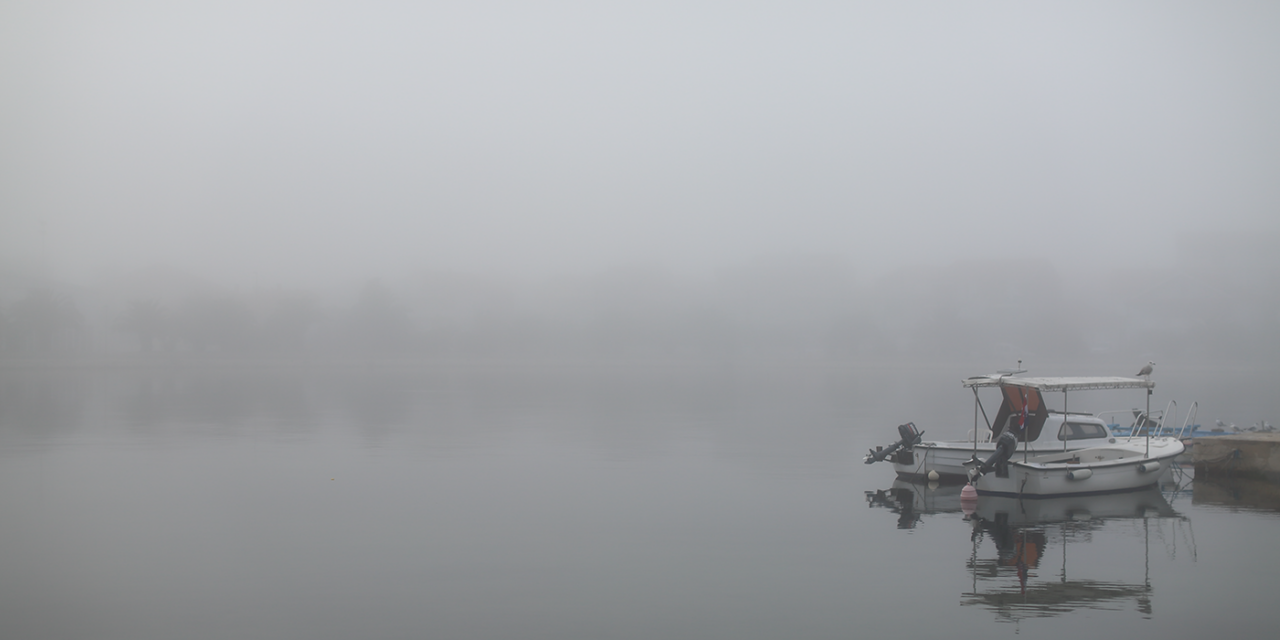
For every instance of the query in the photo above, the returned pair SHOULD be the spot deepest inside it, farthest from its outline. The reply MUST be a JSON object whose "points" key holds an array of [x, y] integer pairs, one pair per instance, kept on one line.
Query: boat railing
{"points": [[1159, 423], [1190, 422], [1170, 415], [1141, 421], [986, 437]]}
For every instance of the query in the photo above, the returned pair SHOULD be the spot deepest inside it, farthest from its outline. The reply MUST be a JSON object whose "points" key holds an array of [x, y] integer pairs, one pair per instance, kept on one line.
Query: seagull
{"points": [[1146, 371], [1221, 426]]}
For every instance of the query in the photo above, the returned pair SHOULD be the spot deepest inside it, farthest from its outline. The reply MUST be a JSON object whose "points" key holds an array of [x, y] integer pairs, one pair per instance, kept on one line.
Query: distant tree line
{"points": [[979, 314], [219, 323], [42, 322]]}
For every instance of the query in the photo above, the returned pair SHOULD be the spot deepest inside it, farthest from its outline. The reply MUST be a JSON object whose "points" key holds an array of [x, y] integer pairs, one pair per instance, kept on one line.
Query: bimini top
{"points": [[1064, 383]]}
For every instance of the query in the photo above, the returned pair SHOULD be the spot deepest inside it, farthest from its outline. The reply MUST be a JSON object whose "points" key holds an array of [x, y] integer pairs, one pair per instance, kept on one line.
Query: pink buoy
{"points": [[968, 499]]}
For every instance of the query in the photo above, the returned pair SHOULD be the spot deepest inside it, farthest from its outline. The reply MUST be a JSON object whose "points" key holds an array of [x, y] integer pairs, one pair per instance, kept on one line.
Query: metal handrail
{"points": [[1129, 412], [1191, 419], [1170, 414], [1146, 420]]}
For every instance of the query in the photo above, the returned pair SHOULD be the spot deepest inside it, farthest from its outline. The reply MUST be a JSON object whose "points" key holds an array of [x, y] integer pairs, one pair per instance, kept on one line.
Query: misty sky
{"points": [[291, 142]]}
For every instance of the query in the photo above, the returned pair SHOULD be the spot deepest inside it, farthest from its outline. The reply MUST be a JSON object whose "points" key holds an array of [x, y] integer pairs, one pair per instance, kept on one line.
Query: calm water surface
{"points": [[640, 502]]}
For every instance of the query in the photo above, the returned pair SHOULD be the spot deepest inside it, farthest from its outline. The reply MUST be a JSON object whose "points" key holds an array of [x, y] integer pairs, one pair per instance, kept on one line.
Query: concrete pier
{"points": [[1246, 455]]}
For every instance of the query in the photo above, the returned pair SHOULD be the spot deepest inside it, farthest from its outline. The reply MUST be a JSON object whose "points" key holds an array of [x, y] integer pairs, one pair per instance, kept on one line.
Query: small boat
{"points": [[1023, 414]]}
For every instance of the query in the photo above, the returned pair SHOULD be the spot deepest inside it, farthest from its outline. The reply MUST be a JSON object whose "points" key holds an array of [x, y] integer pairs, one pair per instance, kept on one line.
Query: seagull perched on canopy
{"points": [[1146, 371]]}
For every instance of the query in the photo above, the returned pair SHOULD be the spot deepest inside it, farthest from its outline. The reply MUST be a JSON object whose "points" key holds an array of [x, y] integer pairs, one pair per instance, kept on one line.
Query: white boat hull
{"points": [[948, 459], [1124, 466]]}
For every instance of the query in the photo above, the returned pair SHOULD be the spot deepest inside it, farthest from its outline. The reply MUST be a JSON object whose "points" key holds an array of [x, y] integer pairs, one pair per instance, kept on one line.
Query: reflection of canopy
{"points": [[1054, 598]]}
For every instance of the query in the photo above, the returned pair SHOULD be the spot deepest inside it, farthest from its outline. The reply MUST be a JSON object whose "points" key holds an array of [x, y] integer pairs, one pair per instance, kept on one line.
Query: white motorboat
{"points": [[1023, 414]]}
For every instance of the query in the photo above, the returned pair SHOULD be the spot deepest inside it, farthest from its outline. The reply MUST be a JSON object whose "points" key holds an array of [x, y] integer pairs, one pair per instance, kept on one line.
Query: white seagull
{"points": [[1146, 371]]}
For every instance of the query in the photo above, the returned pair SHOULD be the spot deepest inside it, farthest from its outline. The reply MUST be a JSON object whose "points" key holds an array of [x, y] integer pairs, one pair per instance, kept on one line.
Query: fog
{"points": [[981, 182]]}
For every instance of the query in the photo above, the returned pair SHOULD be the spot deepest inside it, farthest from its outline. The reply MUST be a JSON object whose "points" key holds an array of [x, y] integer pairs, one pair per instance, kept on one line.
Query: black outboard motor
{"points": [[908, 437], [1006, 446]]}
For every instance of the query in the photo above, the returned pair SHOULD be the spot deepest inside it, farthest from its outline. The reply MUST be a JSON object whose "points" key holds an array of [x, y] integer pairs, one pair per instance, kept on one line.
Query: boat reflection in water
{"points": [[1024, 571]]}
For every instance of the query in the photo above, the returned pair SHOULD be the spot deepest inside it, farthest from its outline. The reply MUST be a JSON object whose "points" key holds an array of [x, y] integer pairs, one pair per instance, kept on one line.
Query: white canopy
{"points": [[1064, 383]]}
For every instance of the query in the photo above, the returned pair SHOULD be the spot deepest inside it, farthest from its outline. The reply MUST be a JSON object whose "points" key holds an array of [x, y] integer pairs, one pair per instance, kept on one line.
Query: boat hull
{"points": [[947, 459], [1100, 470]]}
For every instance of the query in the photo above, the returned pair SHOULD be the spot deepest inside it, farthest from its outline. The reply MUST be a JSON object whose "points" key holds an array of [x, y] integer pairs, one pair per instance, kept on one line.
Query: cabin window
{"points": [[1081, 431]]}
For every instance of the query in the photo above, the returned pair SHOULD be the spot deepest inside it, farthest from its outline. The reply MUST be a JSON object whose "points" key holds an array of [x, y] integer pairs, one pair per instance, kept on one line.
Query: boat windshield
{"points": [[1081, 431]]}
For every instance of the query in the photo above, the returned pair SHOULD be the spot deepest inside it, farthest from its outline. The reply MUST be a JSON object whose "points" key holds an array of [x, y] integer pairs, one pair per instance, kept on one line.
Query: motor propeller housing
{"points": [[1006, 446], [908, 436]]}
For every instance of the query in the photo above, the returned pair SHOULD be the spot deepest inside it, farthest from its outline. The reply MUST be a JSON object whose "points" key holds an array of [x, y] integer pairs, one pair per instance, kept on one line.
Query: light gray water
{"points": [[573, 502]]}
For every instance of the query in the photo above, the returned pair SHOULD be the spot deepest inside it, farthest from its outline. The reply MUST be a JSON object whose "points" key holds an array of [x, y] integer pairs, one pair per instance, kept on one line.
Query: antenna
{"points": [[1010, 372]]}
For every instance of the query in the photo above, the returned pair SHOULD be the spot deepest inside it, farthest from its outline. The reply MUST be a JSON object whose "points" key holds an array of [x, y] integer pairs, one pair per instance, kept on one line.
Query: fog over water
{"points": [[1082, 188], [985, 182]]}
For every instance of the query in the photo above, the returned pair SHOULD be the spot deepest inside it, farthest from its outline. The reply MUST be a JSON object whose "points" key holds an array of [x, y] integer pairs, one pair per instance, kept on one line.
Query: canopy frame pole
{"points": [[1147, 422], [1061, 429], [984, 410], [1026, 428]]}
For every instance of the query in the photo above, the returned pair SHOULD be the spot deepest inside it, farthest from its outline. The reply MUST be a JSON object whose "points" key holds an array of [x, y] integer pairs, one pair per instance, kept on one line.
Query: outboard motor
{"points": [[908, 437], [1006, 446]]}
